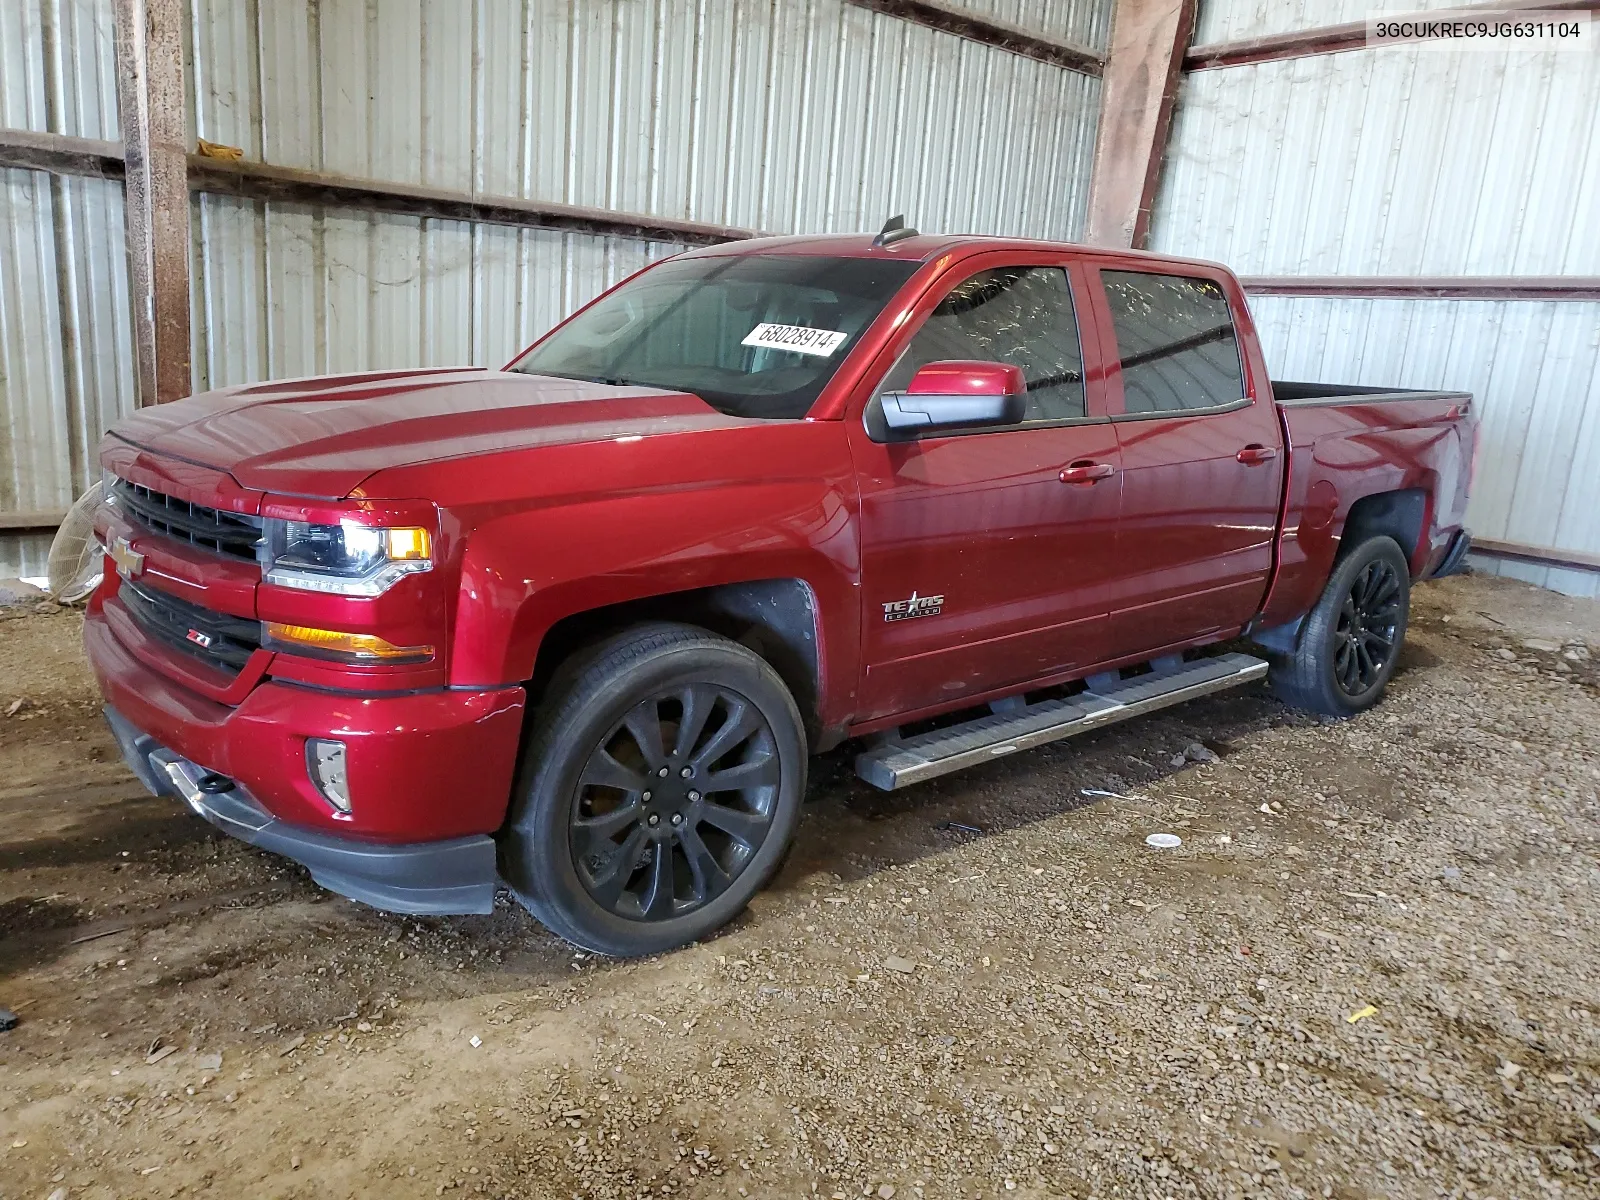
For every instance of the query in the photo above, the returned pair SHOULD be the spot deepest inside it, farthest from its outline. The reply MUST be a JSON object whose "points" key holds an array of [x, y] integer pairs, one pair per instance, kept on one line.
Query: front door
{"points": [[983, 568], [1202, 462]]}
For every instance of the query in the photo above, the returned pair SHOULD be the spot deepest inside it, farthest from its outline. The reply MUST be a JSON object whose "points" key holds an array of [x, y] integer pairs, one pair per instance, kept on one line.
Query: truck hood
{"points": [[324, 436]]}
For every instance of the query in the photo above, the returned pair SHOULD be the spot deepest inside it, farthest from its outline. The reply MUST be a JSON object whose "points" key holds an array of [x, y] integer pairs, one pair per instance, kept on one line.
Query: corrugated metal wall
{"points": [[66, 343], [797, 115], [1235, 20], [59, 65], [1080, 23], [1409, 162], [65, 330], [780, 115], [1389, 162], [1536, 370]]}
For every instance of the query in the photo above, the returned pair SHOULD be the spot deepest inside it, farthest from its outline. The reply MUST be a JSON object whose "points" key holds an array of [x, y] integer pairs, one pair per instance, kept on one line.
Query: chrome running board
{"points": [[898, 764]]}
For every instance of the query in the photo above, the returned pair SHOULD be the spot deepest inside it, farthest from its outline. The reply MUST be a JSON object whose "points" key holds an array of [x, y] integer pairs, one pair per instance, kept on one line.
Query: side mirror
{"points": [[957, 394]]}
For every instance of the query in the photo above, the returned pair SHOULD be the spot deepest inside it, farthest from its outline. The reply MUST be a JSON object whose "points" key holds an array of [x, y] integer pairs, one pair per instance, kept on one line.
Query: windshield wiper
{"points": [[608, 380]]}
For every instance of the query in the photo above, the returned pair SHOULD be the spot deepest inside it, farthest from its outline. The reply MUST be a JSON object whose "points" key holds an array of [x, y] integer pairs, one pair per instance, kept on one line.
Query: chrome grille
{"points": [[232, 534]]}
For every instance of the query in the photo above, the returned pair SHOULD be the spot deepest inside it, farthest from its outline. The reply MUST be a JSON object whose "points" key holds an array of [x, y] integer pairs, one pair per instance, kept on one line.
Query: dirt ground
{"points": [[1044, 1008]]}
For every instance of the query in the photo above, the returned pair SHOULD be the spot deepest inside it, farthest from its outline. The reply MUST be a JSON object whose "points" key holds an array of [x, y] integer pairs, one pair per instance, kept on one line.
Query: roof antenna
{"points": [[894, 230]]}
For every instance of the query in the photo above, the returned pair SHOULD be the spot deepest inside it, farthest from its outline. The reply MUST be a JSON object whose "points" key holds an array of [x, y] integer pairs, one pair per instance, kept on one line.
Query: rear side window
{"points": [[1018, 315], [1176, 340]]}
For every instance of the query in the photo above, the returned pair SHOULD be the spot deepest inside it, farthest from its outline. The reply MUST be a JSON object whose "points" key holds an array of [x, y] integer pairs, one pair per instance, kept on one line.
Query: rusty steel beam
{"points": [[1140, 86], [60, 154], [263, 181], [149, 51], [1544, 556], [988, 32], [1428, 287], [36, 522], [1335, 39]]}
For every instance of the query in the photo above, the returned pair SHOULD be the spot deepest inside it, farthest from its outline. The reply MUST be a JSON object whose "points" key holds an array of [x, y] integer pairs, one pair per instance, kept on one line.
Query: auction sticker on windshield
{"points": [[799, 338]]}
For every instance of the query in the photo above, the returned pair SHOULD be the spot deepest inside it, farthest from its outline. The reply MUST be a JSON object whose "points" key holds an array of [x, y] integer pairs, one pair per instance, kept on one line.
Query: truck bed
{"points": [[1412, 446], [1292, 394]]}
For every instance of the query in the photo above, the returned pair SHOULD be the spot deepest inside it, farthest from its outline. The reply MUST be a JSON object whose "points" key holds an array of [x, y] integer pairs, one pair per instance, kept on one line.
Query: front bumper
{"points": [[429, 772], [423, 766], [453, 876]]}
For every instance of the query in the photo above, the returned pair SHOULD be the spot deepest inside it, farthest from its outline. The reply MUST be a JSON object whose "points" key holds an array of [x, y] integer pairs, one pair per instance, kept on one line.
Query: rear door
{"points": [[982, 568], [1201, 457]]}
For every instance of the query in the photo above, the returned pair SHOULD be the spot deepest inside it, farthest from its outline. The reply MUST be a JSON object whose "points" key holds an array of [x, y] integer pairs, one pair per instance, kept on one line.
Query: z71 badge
{"points": [[917, 606]]}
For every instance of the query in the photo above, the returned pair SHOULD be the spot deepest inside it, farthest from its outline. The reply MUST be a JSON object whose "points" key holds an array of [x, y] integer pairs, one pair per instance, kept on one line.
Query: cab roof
{"points": [[920, 247]]}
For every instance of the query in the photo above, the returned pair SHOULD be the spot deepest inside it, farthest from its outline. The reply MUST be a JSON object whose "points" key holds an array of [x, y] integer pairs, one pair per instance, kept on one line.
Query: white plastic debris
{"points": [[1164, 841]]}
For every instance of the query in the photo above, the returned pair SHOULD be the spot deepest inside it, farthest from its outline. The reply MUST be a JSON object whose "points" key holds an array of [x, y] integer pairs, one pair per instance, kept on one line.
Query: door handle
{"points": [[1254, 455], [1087, 472]]}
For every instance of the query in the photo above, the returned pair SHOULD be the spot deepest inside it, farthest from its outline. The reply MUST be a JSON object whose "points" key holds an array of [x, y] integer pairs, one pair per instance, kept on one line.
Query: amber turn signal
{"points": [[408, 544], [331, 643]]}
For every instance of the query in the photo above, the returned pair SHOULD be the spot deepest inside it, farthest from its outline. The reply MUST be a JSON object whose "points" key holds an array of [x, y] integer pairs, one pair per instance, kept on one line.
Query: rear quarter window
{"points": [[1176, 342]]}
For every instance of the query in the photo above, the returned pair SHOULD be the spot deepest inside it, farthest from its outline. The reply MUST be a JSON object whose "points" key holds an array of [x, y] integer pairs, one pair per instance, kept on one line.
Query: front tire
{"points": [[658, 792], [1350, 642]]}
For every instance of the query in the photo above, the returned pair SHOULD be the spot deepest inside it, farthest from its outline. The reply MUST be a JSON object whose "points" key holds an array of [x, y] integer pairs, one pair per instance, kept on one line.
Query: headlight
{"points": [[108, 482], [344, 559]]}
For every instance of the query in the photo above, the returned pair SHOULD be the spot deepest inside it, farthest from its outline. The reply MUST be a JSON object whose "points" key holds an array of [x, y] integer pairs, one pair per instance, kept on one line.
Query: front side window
{"points": [[753, 335], [1176, 340], [1018, 315]]}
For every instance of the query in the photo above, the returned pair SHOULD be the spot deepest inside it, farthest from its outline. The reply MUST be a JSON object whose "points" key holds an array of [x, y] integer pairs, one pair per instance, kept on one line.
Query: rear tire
{"points": [[1350, 641], [658, 792]]}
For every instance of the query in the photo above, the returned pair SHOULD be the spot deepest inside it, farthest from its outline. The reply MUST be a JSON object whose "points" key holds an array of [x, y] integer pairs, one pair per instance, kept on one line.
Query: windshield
{"points": [[753, 335]]}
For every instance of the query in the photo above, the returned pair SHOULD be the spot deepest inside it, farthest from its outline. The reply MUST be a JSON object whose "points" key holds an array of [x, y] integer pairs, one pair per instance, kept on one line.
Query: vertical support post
{"points": [[1138, 89], [79, 446], [149, 48]]}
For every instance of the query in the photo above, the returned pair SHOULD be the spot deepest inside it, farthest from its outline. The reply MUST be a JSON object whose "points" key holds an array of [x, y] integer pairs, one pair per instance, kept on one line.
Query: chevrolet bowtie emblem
{"points": [[129, 561]]}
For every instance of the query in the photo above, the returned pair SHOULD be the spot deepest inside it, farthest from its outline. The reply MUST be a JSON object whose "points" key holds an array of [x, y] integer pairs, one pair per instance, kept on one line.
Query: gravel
{"points": [[1048, 1009]]}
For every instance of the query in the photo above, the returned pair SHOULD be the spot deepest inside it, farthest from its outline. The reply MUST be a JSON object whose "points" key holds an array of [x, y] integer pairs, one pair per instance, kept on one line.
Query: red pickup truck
{"points": [[574, 626]]}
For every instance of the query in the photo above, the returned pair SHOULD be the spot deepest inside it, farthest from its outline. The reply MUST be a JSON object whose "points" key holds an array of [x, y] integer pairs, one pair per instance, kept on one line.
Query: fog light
{"points": [[325, 765]]}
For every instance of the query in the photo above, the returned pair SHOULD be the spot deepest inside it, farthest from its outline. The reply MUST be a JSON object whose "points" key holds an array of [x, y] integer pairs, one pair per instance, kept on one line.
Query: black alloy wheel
{"points": [[1365, 634], [659, 789], [1348, 645], [674, 802]]}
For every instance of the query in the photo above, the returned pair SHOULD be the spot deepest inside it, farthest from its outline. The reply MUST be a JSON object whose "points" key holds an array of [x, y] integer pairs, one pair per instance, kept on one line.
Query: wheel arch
{"points": [[1401, 514], [775, 560], [777, 619]]}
